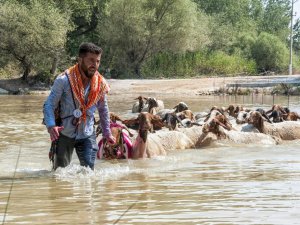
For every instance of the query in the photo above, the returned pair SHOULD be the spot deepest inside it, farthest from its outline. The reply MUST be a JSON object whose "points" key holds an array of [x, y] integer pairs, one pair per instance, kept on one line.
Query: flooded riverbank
{"points": [[220, 184]]}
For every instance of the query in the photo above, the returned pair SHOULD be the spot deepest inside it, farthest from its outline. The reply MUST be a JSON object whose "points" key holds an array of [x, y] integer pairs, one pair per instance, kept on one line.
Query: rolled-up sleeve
{"points": [[103, 110], [52, 101]]}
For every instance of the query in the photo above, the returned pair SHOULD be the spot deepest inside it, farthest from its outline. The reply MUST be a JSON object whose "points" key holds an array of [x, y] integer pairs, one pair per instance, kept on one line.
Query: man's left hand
{"points": [[111, 140]]}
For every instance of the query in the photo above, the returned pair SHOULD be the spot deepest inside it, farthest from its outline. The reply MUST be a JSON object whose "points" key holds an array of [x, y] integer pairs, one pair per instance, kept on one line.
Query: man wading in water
{"points": [[77, 93]]}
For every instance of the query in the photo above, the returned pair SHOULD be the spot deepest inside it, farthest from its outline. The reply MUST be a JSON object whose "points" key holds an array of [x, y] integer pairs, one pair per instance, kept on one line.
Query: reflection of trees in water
{"points": [[257, 100]]}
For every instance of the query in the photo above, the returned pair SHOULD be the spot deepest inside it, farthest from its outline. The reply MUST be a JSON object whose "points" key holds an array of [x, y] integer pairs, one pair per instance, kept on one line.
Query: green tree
{"points": [[32, 33], [85, 16], [230, 19], [296, 36], [243, 45], [137, 29], [276, 18], [229, 11], [270, 53]]}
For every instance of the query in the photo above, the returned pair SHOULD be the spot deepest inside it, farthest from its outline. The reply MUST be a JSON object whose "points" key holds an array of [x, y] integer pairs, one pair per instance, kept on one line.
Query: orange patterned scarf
{"points": [[98, 88]]}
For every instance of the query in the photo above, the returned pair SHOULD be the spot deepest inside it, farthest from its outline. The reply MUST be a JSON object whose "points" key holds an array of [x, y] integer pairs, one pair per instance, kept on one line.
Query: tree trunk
{"points": [[27, 70], [54, 65], [137, 71], [27, 66]]}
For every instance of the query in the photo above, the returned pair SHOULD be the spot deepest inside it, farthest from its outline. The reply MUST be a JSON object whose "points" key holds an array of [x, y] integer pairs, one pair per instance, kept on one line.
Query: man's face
{"points": [[89, 64]]}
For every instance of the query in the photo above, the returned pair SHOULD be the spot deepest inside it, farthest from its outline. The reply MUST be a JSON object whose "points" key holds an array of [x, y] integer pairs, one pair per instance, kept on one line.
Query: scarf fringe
{"points": [[98, 88]]}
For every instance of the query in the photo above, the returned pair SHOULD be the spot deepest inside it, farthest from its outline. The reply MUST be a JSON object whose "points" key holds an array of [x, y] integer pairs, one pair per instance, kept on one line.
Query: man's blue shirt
{"points": [[61, 91]]}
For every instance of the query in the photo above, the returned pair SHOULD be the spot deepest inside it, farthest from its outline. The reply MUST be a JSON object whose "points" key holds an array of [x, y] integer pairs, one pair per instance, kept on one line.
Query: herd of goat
{"points": [[156, 130]]}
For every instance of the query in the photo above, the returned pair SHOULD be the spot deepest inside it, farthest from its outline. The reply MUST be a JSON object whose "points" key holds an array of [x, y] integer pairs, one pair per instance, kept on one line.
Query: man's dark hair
{"points": [[89, 47]]}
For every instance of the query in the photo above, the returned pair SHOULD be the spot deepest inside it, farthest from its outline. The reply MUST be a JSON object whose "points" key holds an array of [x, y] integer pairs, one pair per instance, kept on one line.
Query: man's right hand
{"points": [[54, 132]]}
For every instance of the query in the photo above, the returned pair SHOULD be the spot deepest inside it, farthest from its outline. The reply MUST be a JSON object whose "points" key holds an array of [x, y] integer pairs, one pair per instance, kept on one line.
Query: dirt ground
{"points": [[168, 86], [191, 86]]}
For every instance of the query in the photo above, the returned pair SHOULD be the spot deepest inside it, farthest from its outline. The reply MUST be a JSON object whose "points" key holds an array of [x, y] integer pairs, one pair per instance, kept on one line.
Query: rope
{"points": [[11, 187], [123, 214]]}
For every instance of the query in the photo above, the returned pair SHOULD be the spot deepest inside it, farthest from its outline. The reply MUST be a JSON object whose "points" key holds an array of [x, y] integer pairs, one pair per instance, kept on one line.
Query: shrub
{"points": [[221, 63], [196, 63], [10, 70], [44, 77], [270, 53]]}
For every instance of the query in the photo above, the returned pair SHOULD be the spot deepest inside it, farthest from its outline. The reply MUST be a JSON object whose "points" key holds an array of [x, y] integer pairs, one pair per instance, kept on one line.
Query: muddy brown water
{"points": [[221, 184]]}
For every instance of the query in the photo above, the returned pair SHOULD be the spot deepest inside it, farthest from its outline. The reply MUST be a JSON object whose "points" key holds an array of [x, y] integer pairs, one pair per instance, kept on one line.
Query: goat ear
{"points": [[207, 117], [118, 118], [157, 122], [228, 124], [164, 117], [137, 120], [259, 120], [153, 118]]}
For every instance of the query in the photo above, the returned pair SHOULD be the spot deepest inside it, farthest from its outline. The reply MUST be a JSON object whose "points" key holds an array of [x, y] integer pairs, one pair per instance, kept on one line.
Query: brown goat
{"points": [[287, 130], [135, 123], [231, 110], [152, 104], [213, 124], [277, 113], [234, 111], [181, 106], [141, 102], [186, 114], [113, 124], [147, 123], [132, 123], [256, 119], [109, 150], [114, 117], [291, 116]]}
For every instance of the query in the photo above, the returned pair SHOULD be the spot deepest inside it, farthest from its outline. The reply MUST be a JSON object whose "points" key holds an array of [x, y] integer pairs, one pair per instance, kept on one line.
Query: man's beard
{"points": [[86, 72]]}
